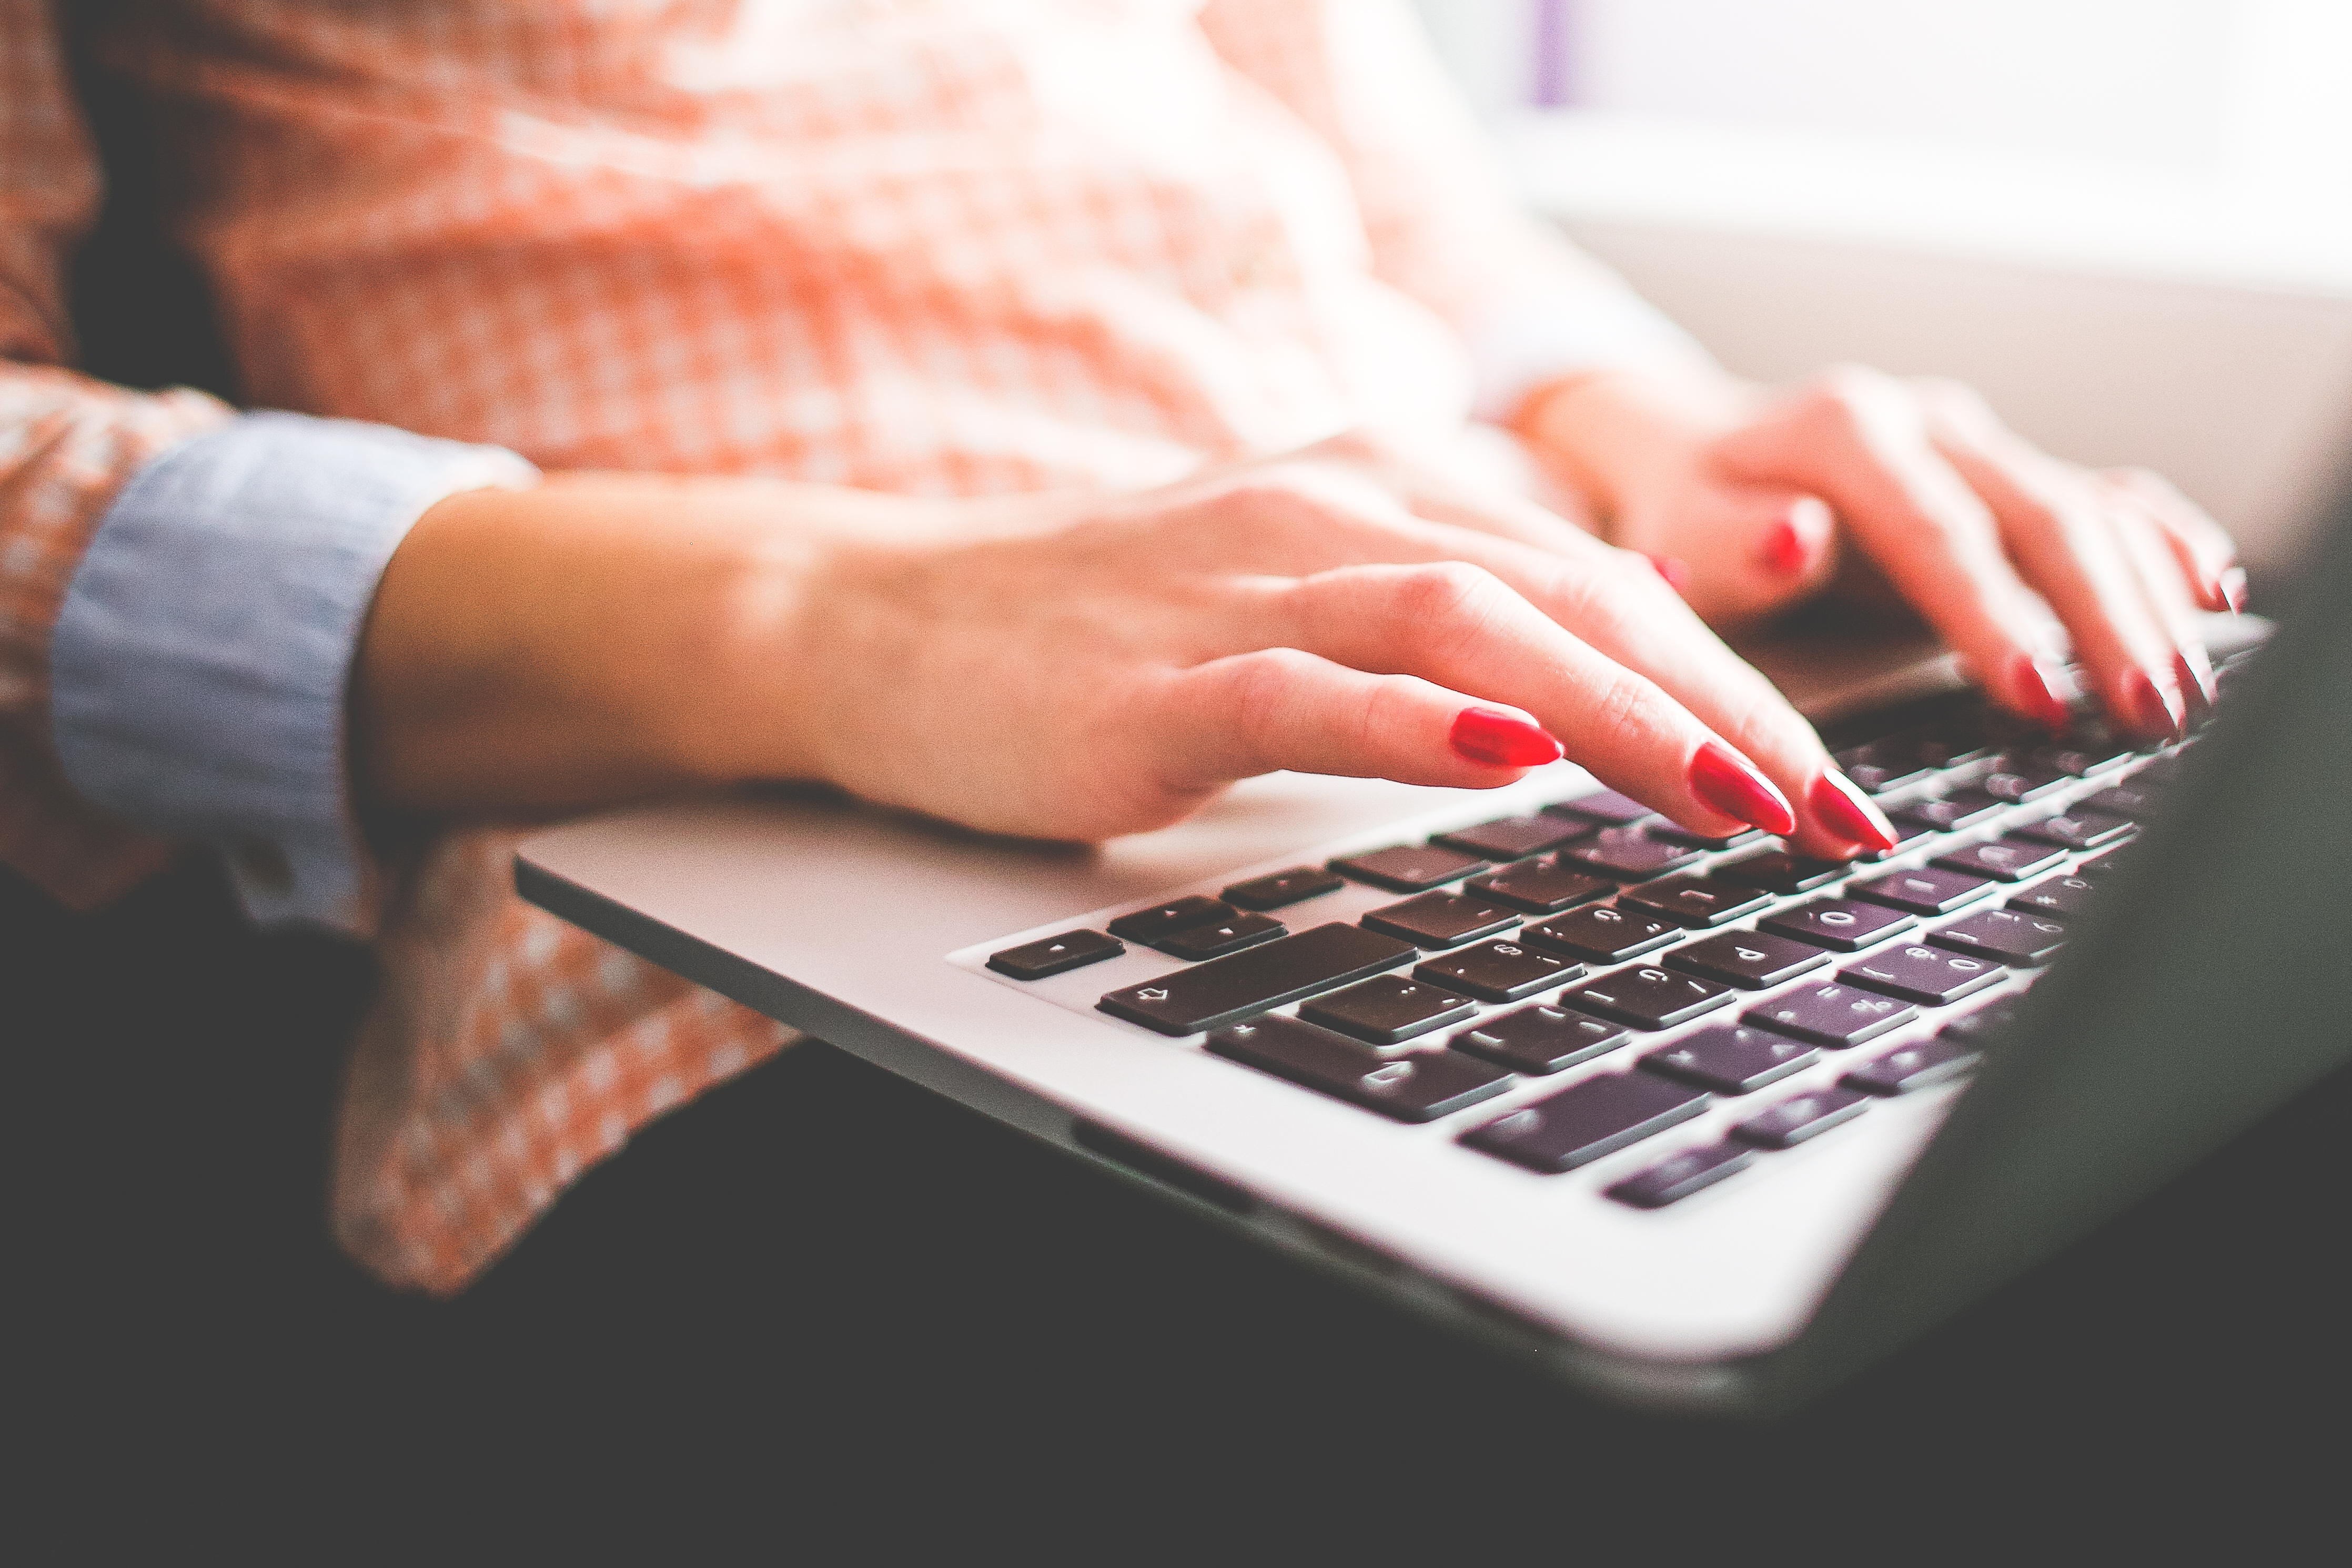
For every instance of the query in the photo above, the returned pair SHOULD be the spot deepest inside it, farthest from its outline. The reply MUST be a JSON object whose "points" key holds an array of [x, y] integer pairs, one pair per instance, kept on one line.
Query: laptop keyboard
{"points": [[1566, 986]]}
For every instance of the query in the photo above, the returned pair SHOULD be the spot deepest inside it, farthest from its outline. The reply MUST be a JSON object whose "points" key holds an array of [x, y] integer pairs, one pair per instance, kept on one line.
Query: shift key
{"points": [[1225, 990]]}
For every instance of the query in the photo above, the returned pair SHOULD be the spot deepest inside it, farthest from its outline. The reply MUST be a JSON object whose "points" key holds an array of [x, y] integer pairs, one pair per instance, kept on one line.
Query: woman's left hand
{"points": [[1754, 502]]}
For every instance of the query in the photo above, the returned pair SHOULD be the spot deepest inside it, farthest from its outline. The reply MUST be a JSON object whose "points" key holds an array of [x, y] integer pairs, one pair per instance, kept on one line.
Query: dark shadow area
{"points": [[141, 307], [823, 1296]]}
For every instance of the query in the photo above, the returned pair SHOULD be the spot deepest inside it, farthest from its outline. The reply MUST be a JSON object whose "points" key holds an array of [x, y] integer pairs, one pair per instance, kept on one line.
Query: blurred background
{"points": [[2129, 222]]}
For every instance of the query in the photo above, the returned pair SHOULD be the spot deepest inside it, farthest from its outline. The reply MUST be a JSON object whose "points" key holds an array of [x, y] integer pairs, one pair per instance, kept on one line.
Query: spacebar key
{"points": [[1225, 990]]}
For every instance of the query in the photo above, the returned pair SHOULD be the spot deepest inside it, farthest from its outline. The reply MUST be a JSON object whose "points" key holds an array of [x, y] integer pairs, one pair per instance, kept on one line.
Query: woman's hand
{"points": [[1085, 667], [1762, 500]]}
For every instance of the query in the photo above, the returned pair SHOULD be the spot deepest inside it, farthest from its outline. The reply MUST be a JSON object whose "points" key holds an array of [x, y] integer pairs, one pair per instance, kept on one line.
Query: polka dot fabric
{"points": [[935, 246]]}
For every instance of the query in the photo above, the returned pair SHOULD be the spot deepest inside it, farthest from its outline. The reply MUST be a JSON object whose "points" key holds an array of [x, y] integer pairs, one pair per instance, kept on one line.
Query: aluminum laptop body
{"points": [[2208, 981]]}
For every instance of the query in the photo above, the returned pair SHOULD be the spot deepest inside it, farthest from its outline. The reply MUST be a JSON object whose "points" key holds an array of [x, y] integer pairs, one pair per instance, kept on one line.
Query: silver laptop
{"points": [[1690, 1122]]}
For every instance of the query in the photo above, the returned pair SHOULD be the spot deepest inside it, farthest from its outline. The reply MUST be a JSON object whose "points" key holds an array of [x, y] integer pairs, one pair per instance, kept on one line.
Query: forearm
{"points": [[611, 636]]}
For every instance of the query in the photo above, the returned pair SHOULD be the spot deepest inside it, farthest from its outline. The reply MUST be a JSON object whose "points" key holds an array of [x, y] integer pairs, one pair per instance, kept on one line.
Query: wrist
{"points": [[1611, 434]]}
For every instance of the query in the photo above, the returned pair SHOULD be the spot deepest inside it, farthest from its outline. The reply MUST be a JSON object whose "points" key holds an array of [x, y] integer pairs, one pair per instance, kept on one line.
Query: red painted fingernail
{"points": [[2035, 691], [1840, 806], [1502, 739], [1677, 574], [1730, 783], [2151, 706], [1784, 549], [2231, 587], [2193, 668]]}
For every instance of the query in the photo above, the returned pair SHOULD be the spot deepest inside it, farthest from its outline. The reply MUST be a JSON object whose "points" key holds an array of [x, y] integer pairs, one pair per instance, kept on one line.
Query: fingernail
{"points": [[1730, 783], [1677, 574], [2231, 586], [2193, 668], [2152, 706], [1840, 806], [2036, 692], [1784, 549], [1502, 739]]}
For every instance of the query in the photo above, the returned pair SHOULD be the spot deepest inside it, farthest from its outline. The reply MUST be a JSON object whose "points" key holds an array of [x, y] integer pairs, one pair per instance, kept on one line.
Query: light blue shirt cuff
{"points": [[201, 665]]}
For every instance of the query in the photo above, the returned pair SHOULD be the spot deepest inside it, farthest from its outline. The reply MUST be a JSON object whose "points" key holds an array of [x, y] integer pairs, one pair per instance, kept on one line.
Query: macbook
{"points": [[1696, 1123]]}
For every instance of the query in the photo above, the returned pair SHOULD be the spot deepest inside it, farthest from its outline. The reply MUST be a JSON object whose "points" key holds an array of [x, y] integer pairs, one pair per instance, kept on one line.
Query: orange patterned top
{"points": [[946, 246]]}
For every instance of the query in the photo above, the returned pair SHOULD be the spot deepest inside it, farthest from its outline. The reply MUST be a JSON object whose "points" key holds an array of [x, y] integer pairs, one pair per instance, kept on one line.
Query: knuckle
{"points": [[1447, 606], [1261, 687]]}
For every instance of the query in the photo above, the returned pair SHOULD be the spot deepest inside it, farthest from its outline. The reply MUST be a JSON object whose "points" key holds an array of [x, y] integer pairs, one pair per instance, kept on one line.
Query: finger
{"points": [[2207, 555], [1326, 522], [2163, 579], [1859, 441], [1255, 712], [1632, 617], [1463, 628], [2061, 531]]}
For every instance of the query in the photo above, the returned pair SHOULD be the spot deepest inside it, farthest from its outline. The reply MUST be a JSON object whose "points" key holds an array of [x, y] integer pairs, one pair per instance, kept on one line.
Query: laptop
{"points": [[1690, 1124]]}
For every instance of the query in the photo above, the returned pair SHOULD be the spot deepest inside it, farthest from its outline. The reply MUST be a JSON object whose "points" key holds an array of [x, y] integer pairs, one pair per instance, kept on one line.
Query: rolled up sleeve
{"points": [[202, 660]]}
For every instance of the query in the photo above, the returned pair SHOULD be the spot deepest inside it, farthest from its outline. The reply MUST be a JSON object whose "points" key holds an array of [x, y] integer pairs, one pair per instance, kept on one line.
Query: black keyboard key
{"points": [[1388, 1009], [1408, 868], [1962, 738], [1731, 1059], [1979, 1026], [1674, 1179], [1791, 1121], [2129, 799], [1054, 954], [1698, 902], [1419, 1087], [2079, 756], [1877, 768], [1928, 891], [2014, 780], [1906, 835], [1845, 924], [1148, 925], [1832, 1015], [1923, 975], [1283, 888], [1602, 934], [2003, 860], [1514, 837], [1541, 887], [1499, 971], [1782, 871], [1751, 961], [1542, 1039], [2077, 830], [1224, 937], [1606, 807], [1585, 1121], [1649, 999], [1225, 990], [1922, 1064], [2060, 897], [2004, 936], [1440, 919], [1676, 833], [1628, 855], [1947, 813], [2104, 863]]}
